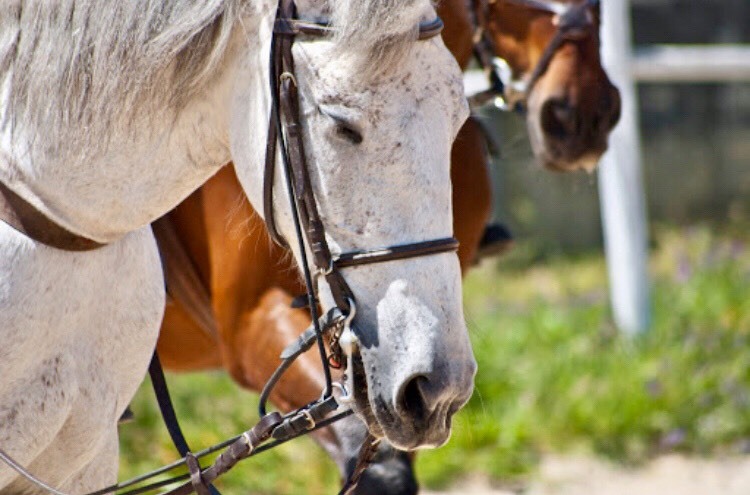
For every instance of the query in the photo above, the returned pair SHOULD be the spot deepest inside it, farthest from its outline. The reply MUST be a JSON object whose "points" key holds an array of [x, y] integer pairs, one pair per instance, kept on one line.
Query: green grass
{"points": [[554, 374]]}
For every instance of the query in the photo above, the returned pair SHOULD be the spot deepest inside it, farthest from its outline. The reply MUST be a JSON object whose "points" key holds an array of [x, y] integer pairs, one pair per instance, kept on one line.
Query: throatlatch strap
{"points": [[25, 218]]}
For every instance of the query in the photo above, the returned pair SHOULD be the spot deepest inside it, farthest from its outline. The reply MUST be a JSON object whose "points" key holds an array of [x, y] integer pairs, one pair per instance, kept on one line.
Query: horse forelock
{"points": [[87, 64], [378, 32]]}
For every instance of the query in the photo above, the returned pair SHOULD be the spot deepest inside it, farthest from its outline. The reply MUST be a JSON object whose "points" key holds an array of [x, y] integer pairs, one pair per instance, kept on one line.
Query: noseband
{"points": [[573, 22], [284, 136]]}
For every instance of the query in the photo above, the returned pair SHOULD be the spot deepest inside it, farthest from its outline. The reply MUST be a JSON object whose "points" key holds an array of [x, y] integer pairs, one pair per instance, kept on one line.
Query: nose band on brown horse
{"points": [[573, 22]]}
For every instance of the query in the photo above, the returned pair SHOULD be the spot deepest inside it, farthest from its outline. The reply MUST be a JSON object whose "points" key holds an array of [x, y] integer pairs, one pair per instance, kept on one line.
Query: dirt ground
{"points": [[668, 475]]}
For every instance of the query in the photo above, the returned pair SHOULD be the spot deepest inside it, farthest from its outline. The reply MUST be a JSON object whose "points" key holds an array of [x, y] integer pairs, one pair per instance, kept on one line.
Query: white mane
{"points": [[75, 66]]}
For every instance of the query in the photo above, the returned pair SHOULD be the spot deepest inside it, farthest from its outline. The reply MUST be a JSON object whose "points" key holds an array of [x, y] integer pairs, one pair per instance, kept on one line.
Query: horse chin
{"points": [[586, 162], [555, 156], [382, 422], [361, 404]]}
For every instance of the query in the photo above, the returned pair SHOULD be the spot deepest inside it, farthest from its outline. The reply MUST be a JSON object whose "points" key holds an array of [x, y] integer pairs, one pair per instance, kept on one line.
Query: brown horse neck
{"points": [[459, 29]]}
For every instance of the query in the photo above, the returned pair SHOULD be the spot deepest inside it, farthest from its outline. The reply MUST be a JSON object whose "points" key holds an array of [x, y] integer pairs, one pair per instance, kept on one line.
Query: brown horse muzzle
{"points": [[575, 130]]}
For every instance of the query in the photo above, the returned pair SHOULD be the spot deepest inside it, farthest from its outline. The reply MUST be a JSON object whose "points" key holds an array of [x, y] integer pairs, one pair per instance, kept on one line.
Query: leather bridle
{"points": [[285, 132], [573, 22], [285, 139]]}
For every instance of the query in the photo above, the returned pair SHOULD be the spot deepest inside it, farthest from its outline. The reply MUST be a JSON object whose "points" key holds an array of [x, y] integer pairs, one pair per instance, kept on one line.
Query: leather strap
{"points": [[574, 21], [169, 416], [366, 454], [238, 450], [200, 486], [25, 218], [399, 252]]}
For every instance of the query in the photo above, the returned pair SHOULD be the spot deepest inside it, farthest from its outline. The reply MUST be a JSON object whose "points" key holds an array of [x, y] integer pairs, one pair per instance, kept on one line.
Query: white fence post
{"points": [[621, 191]]}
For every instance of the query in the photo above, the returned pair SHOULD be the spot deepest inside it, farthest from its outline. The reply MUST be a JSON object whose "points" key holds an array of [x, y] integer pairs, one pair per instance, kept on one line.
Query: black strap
{"points": [[398, 252], [168, 414]]}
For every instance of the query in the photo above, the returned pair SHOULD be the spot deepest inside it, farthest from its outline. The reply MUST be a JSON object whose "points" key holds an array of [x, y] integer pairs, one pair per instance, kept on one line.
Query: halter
{"points": [[284, 135], [574, 22]]}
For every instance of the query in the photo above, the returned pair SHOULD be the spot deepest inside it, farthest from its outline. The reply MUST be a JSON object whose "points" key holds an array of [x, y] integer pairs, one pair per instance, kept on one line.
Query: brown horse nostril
{"points": [[559, 119]]}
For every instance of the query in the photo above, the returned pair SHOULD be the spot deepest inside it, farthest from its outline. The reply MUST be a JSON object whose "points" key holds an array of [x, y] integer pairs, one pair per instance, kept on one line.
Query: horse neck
{"points": [[148, 165]]}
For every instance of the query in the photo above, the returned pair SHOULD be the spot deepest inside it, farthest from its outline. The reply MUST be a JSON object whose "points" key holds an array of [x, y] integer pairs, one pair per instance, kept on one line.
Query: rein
{"points": [[573, 22], [284, 138]]}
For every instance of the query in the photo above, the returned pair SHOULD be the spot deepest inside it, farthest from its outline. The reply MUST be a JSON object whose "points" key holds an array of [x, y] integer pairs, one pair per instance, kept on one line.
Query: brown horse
{"points": [[232, 287], [554, 71]]}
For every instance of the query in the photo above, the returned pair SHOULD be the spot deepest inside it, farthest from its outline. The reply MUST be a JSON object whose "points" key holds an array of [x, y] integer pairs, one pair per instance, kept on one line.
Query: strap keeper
{"points": [[200, 486], [285, 27]]}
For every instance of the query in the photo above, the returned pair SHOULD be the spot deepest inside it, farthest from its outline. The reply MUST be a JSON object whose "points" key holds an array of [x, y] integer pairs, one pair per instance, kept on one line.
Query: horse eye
{"points": [[345, 127], [349, 133]]}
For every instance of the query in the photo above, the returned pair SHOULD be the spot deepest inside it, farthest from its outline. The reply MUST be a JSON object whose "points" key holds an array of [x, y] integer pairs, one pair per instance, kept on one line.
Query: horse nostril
{"points": [[559, 120], [411, 400]]}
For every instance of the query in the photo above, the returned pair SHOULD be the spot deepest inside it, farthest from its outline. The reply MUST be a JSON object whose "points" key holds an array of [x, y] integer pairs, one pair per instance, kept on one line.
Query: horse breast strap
{"points": [[25, 218]]}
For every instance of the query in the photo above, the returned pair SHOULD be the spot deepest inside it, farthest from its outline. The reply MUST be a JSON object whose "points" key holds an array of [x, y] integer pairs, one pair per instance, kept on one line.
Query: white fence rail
{"points": [[621, 190], [691, 63]]}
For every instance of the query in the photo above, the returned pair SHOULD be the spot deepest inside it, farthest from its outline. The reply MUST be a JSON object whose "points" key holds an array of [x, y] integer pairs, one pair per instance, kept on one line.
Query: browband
{"points": [[427, 29]]}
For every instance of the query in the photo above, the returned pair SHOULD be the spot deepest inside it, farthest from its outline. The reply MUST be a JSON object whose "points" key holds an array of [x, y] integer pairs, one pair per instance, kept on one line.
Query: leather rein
{"points": [[573, 22], [285, 139]]}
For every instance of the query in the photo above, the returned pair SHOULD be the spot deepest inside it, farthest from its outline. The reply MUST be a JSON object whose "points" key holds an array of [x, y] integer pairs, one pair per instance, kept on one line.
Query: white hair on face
{"points": [[378, 32]]}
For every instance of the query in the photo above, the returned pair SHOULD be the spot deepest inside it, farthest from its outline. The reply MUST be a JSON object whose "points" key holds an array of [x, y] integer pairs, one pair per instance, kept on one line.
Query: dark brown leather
{"points": [[394, 253], [181, 277], [238, 450], [200, 486], [25, 218], [366, 454]]}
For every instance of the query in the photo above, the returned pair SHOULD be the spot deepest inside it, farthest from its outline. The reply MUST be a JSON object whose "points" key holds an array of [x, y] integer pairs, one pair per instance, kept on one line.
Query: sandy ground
{"points": [[668, 475]]}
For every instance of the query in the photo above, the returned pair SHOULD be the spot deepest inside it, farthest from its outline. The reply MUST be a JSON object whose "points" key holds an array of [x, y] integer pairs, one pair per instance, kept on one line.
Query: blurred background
{"points": [[561, 393]]}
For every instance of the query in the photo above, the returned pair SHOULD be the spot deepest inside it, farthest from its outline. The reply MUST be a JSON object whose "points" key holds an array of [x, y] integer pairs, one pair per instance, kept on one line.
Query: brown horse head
{"points": [[552, 50]]}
